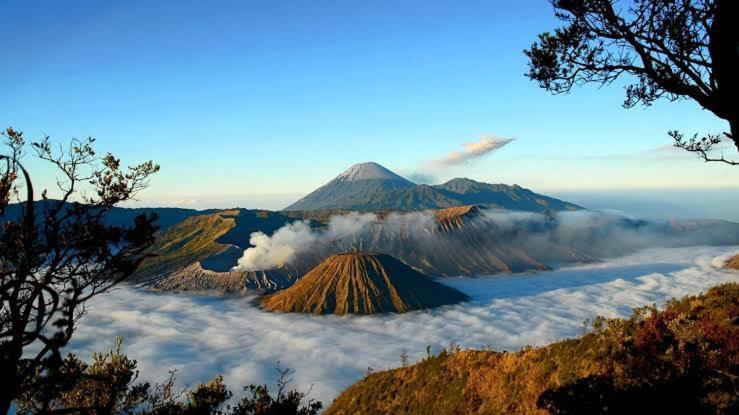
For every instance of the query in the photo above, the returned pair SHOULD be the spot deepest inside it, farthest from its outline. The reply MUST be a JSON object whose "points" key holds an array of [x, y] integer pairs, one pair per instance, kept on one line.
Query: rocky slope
{"points": [[455, 241], [465, 240], [195, 278], [362, 283], [199, 253]]}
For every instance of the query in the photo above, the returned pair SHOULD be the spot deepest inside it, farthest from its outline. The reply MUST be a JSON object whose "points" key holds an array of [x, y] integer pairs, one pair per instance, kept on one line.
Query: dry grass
{"points": [[685, 358], [733, 262], [187, 242]]}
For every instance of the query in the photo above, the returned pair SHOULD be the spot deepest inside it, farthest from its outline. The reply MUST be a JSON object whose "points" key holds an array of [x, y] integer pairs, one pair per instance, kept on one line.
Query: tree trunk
{"points": [[9, 381], [724, 49], [5, 402]]}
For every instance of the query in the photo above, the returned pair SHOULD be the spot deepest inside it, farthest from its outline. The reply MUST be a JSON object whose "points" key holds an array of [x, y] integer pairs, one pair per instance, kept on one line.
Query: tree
{"points": [[676, 49], [109, 385], [57, 254], [287, 402]]}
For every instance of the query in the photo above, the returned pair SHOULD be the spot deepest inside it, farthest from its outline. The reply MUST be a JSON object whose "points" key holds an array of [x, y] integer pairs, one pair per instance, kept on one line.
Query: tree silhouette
{"points": [[57, 254], [109, 385], [676, 49]]}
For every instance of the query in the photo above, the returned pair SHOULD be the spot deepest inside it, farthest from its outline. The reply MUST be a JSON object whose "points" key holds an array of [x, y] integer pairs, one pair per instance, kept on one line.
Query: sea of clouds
{"points": [[202, 336]]}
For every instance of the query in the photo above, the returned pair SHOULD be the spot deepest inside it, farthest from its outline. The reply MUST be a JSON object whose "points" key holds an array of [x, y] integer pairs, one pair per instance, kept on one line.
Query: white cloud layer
{"points": [[203, 336]]}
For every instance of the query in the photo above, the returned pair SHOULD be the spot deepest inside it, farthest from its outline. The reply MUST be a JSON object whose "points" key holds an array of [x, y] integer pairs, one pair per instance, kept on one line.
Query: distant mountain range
{"points": [[370, 186]]}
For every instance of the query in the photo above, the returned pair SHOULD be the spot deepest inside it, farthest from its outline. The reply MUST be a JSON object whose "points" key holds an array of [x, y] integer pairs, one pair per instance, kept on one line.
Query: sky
{"points": [[256, 103]]}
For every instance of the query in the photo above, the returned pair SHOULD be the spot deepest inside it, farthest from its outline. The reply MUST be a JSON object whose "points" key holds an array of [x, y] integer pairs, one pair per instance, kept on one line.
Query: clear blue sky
{"points": [[257, 102]]}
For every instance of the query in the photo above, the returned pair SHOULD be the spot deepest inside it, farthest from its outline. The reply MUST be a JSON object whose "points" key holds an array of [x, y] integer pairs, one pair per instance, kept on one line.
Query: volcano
{"points": [[353, 188], [362, 283], [372, 187]]}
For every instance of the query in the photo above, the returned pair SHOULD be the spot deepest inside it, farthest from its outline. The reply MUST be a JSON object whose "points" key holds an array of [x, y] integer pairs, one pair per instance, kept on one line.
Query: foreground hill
{"points": [[370, 186], [683, 360], [362, 283]]}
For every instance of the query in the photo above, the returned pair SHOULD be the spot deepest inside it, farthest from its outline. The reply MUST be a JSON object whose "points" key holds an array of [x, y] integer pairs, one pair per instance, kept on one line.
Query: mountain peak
{"points": [[461, 180], [369, 171], [362, 283], [370, 186]]}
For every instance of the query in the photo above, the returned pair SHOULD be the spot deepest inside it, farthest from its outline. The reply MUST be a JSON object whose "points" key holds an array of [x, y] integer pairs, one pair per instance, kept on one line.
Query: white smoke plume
{"points": [[269, 252], [429, 171], [298, 237], [473, 150]]}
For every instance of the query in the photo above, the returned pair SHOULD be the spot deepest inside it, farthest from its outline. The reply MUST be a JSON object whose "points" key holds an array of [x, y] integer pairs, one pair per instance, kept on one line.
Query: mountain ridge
{"points": [[370, 186]]}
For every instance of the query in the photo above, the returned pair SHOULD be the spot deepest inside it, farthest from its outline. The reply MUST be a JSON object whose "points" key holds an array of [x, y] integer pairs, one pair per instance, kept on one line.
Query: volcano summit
{"points": [[362, 283]]}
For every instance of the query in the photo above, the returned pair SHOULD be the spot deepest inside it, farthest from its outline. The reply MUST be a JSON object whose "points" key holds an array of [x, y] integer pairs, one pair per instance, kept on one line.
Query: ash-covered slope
{"points": [[362, 283], [465, 240], [371, 187], [195, 278]]}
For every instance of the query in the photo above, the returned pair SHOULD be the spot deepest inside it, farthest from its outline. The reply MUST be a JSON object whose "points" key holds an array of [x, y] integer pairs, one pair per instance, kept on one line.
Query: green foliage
{"points": [[260, 402], [57, 254], [672, 49], [109, 386]]}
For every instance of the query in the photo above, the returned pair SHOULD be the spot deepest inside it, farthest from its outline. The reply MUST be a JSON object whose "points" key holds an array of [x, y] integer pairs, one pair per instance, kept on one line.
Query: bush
{"points": [[109, 386]]}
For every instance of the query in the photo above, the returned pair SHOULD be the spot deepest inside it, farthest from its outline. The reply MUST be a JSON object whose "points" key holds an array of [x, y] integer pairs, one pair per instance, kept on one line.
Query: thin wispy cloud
{"points": [[473, 150], [428, 172]]}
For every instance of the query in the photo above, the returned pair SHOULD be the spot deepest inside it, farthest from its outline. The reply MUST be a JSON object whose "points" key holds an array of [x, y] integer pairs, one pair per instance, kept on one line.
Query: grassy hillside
{"points": [[187, 242], [195, 239], [684, 359]]}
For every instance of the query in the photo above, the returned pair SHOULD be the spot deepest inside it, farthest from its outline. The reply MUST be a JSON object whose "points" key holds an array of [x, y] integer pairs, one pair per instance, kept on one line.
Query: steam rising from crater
{"points": [[298, 237], [485, 242], [473, 150]]}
